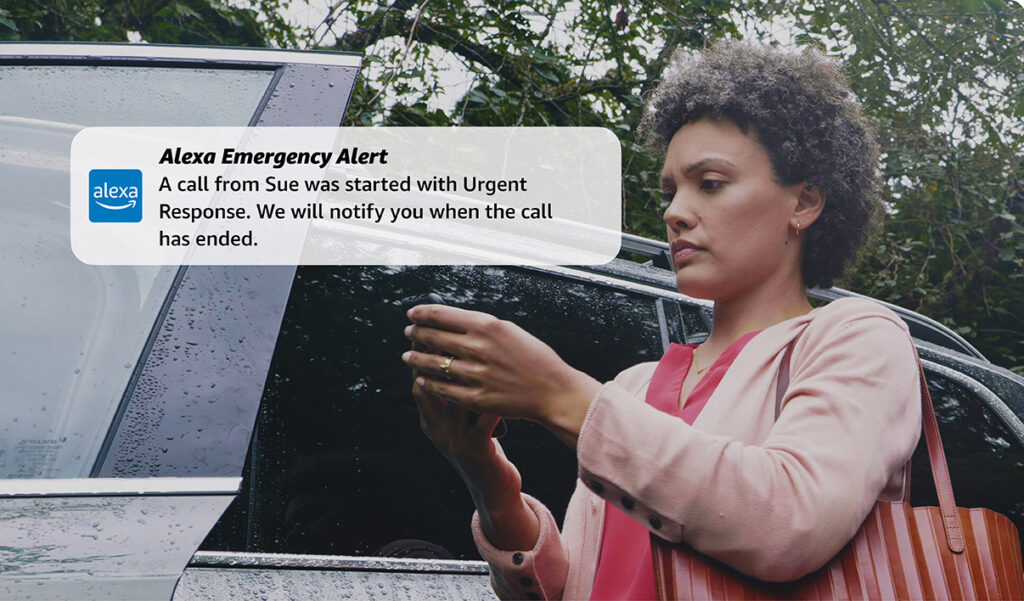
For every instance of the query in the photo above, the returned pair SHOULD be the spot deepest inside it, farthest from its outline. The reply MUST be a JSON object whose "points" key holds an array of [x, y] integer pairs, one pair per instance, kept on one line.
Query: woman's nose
{"points": [[679, 216]]}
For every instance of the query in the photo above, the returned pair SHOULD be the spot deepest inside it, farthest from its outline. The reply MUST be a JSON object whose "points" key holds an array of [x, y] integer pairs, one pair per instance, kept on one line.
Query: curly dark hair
{"points": [[801, 110]]}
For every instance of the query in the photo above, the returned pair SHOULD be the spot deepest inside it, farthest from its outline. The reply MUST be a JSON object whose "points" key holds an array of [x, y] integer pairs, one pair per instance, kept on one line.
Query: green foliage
{"points": [[212, 22], [943, 78], [531, 64]]}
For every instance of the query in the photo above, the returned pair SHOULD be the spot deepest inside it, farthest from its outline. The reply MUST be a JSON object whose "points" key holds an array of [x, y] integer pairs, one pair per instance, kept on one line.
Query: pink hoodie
{"points": [[774, 500]]}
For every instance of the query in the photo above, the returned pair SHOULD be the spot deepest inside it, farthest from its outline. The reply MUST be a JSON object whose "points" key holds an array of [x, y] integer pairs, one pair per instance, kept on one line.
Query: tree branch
{"points": [[384, 23]]}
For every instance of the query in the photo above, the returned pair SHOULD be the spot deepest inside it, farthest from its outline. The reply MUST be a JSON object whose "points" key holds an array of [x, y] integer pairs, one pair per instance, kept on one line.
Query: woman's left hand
{"points": [[498, 368]]}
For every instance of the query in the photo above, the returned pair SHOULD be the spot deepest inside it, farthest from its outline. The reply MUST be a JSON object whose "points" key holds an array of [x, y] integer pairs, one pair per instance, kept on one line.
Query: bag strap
{"points": [[936, 454], [782, 381], [940, 470]]}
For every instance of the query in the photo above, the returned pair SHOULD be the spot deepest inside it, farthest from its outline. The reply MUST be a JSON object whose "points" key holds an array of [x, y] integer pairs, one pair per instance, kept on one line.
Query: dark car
{"points": [[210, 432]]}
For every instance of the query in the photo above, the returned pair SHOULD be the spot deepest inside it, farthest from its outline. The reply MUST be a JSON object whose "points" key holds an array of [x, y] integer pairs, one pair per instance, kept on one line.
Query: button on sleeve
{"points": [[539, 571]]}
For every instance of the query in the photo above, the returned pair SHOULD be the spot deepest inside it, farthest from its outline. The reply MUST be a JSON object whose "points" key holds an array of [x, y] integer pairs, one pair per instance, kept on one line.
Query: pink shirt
{"points": [[624, 570]]}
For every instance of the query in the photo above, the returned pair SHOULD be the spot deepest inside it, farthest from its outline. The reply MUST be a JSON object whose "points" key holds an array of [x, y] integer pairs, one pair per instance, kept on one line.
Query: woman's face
{"points": [[729, 222]]}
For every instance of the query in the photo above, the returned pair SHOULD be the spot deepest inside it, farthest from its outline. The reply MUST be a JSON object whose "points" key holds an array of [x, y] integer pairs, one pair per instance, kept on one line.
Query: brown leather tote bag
{"points": [[899, 552]]}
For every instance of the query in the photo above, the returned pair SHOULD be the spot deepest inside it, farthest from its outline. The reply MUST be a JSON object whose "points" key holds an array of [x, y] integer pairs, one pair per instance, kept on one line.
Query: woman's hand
{"points": [[498, 369], [464, 438]]}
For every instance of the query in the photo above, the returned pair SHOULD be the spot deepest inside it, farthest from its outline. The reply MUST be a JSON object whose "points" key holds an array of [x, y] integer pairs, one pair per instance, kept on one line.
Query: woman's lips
{"points": [[684, 255]]}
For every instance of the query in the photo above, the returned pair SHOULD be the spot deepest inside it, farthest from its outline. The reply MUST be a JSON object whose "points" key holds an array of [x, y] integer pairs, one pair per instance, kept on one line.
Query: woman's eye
{"points": [[710, 185], [667, 196]]}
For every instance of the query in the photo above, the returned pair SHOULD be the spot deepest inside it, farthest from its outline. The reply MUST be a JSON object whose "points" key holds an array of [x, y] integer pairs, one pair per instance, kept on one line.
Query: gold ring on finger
{"points": [[446, 368]]}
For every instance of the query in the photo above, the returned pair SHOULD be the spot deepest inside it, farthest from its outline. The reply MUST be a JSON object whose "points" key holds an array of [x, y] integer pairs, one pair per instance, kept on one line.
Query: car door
{"points": [[130, 392], [979, 408], [343, 496]]}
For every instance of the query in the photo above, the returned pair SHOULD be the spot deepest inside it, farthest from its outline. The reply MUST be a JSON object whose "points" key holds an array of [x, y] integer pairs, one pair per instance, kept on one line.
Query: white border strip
{"points": [[245, 55], [64, 487]]}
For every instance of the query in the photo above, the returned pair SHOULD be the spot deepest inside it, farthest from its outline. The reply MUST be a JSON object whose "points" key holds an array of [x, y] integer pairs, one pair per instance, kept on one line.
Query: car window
{"points": [[339, 464], [986, 460], [72, 334], [694, 322], [132, 96]]}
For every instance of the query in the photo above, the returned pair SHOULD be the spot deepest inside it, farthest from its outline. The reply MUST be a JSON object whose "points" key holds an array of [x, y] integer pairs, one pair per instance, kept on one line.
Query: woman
{"points": [[770, 175]]}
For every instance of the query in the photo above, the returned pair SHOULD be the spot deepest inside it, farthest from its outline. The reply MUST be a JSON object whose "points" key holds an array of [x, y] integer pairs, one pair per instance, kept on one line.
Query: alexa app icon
{"points": [[115, 195]]}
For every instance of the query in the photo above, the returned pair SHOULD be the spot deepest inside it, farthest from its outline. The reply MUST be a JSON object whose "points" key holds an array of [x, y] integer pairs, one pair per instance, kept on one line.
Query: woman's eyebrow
{"points": [[703, 162]]}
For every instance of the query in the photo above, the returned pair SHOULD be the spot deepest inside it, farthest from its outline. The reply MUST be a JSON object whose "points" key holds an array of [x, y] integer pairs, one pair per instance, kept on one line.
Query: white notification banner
{"points": [[345, 196]]}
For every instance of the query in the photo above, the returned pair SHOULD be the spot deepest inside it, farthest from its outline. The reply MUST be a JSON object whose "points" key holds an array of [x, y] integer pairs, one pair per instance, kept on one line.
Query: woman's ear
{"points": [[810, 202]]}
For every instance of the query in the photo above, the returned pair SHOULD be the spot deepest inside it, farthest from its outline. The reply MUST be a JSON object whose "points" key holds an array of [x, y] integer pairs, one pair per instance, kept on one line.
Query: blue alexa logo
{"points": [[115, 195]]}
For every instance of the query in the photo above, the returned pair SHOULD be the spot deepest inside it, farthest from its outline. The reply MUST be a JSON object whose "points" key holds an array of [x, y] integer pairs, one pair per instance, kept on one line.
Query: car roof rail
{"points": [[657, 252], [112, 51], [921, 327]]}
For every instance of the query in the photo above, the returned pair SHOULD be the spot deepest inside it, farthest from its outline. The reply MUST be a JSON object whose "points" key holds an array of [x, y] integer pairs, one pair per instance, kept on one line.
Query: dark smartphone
{"points": [[433, 298]]}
